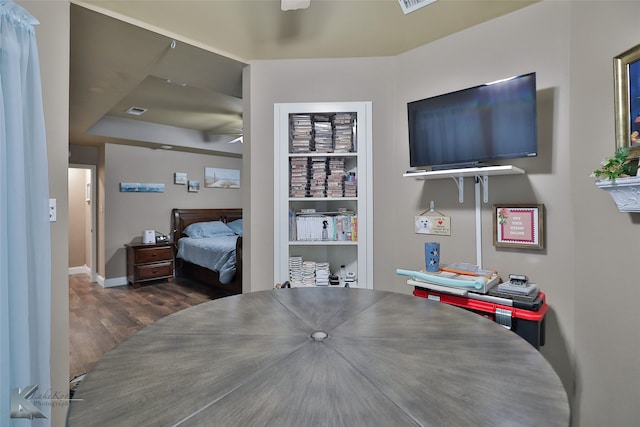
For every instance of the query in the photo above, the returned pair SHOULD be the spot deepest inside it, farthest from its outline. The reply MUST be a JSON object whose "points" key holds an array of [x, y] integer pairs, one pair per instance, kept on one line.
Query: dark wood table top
{"points": [[262, 359]]}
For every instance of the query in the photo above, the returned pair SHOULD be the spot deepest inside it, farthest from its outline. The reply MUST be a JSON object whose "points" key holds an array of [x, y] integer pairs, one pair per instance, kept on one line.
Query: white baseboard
{"points": [[113, 282], [80, 270]]}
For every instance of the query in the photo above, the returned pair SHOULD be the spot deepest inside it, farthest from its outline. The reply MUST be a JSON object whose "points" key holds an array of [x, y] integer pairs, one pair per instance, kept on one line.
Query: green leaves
{"points": [[618, 165]]}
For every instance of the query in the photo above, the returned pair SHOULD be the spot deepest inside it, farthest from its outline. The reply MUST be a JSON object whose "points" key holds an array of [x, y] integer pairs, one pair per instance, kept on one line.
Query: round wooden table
{"points": [[322, 357]]}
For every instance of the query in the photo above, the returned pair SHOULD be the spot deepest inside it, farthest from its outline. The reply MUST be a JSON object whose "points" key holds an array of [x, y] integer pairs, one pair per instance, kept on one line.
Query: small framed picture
{"points": [[180, 178], [194, 186], [518, 226], [432, 224]]}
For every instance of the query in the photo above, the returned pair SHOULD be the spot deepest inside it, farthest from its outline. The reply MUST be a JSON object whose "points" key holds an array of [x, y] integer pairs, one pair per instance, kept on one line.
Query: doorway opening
{"points": [[82, 220]]}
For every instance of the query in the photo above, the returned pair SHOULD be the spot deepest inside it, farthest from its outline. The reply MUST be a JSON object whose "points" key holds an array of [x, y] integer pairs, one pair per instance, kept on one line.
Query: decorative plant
{"points": [[617, 166]]}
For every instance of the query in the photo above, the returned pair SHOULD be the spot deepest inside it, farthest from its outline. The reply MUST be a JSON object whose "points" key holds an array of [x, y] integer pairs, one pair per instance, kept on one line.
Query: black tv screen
{"points": [[464, 128]]}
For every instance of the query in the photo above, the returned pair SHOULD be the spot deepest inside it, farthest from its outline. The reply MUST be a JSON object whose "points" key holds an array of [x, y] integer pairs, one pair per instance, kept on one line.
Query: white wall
{"points": [[586, 267], [127, 215], [368, 79], [534, 39], [607, 338]]}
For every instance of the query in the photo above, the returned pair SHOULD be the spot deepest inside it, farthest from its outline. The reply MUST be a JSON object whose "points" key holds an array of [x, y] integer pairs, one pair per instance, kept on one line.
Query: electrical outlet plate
{"points": [[53, 212]]}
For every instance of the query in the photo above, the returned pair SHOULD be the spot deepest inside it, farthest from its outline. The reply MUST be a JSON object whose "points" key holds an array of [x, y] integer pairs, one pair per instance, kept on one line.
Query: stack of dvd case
{"points": [[351, 185], [335, 179], [298, 177], [343, 132], [322, 133], [318, 177], [301, 138]]}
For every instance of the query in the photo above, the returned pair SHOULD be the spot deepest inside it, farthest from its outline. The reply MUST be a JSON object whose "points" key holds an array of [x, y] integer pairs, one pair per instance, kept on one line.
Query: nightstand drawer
{"points": [[153, 254], [154, 271]]}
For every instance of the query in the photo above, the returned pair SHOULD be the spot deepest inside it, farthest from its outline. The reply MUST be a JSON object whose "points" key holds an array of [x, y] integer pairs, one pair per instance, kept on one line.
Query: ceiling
{"points": [[182, 61]]}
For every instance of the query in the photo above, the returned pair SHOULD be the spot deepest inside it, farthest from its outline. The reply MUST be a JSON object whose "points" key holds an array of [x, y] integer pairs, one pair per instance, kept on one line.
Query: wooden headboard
{"points": [[182, 218]]}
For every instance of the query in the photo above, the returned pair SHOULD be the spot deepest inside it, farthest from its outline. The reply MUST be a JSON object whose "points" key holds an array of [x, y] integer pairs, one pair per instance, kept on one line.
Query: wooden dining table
{"points": [[322, 357]]}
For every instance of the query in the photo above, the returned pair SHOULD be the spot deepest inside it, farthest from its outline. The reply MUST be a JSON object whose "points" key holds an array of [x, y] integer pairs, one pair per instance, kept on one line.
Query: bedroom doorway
{"points": [[82, 220]]}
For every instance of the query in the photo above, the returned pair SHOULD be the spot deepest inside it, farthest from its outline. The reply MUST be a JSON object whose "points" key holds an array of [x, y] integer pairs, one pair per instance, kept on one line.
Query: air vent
{"points": [[409, 6], [136, 111]]}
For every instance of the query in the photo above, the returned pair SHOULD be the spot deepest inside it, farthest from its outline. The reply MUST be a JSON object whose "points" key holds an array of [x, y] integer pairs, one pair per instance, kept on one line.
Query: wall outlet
{"points": [[53, 212]]}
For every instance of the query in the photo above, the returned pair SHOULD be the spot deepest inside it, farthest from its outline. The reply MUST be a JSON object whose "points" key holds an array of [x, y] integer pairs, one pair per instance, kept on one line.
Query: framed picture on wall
{"points": [[627, 99], [194, 186], [221, 178], [518, 226], [180, 178]]}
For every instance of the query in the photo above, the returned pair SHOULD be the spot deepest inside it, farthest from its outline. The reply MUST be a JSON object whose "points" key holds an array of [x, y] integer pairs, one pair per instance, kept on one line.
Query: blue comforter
{"points": [[215, 253]]}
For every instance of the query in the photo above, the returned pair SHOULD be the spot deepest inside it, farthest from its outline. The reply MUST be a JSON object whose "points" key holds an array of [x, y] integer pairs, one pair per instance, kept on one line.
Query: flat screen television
{"points": [[470, 127]]}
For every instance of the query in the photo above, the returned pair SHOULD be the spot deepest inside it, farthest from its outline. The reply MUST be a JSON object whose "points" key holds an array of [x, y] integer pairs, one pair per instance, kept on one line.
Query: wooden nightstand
{"points": [[146, 262]]}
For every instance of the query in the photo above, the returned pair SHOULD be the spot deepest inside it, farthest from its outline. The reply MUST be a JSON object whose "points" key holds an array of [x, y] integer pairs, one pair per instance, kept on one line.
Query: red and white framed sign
{"points": [[518, 226]]}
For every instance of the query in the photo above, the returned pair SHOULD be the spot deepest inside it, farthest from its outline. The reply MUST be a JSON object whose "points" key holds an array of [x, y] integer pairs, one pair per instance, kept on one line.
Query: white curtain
{"points": [[25, 249]]}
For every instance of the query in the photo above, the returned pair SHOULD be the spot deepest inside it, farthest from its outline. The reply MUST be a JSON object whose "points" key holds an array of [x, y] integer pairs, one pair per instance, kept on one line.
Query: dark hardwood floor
{"points": [[100, 318]]}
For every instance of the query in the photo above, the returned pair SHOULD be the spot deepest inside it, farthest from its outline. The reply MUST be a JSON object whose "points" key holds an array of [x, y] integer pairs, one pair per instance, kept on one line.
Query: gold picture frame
{"points": [[626, 77], [518, 226]]}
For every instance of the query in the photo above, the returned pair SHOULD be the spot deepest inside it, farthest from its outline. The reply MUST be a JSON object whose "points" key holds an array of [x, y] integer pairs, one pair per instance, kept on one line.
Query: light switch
{"points": [[53, 213]]}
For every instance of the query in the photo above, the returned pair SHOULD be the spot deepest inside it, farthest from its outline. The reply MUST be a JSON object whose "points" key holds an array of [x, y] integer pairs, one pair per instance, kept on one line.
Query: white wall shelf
{"points": [[481, 179], [481, 174]]}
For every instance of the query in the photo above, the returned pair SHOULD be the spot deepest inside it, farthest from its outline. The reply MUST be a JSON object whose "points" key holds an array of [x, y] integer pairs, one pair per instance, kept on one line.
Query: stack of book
{"points": [[301, 139], [319, 226]]}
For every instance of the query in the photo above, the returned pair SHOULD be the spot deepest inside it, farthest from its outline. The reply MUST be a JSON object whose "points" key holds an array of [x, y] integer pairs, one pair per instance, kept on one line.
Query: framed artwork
{"points": [[138, 187], [221, 178], [626, 67], [180, 178], [518, 226], [194, 186]]}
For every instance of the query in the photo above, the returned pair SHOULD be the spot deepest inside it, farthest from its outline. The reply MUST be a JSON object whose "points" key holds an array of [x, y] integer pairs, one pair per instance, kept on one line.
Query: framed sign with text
{"points": [[518, 226]]}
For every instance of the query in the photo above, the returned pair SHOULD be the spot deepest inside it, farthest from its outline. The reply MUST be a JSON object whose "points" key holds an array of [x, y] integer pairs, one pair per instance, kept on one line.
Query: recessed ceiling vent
{"points": [[136, 111], [409, 6]]}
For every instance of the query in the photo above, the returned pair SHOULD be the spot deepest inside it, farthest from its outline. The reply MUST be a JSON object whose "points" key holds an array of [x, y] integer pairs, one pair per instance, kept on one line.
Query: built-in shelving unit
{"points": [[323, 195]]}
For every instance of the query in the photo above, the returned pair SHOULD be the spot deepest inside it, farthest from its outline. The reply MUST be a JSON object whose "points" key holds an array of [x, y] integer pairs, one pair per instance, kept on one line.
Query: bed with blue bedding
{"points": [[208, 244]]}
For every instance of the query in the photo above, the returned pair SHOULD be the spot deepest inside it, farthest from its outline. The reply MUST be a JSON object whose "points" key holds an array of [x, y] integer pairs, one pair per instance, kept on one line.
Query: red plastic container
{"points": [[529, 324]]}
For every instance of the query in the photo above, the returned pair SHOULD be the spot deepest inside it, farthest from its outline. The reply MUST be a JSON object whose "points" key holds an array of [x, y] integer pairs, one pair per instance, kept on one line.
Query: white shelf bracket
{"points": [[460, 183], [484, 181]]}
